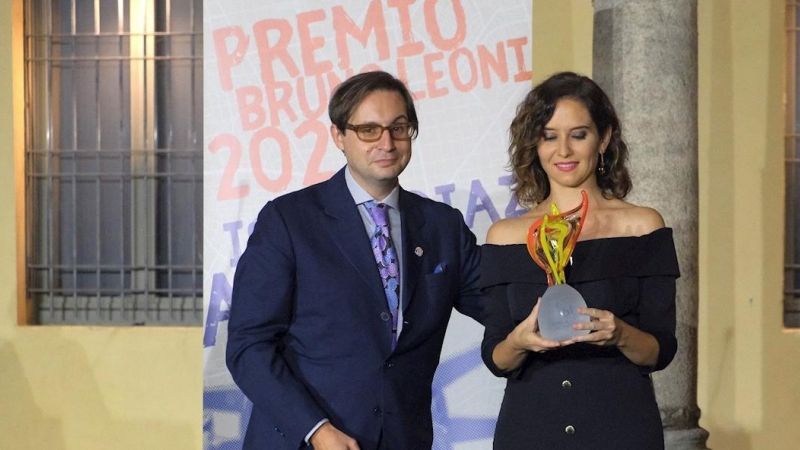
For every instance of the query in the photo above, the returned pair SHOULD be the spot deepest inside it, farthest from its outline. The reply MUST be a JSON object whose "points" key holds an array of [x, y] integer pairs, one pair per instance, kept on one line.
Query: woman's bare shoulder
{"points": [[640, 220], [509, 231]]}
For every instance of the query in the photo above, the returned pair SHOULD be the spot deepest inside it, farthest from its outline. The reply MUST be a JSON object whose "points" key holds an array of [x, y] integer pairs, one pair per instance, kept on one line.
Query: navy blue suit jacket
{"points": [[309, 335]]}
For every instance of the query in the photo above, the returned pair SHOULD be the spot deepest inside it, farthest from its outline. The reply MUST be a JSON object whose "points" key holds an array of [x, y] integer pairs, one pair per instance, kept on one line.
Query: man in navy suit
{"points": [[335, 346]]}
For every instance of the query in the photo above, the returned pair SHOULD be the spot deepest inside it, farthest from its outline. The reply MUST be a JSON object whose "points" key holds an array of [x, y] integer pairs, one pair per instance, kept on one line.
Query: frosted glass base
{"points": [[558, 311]]}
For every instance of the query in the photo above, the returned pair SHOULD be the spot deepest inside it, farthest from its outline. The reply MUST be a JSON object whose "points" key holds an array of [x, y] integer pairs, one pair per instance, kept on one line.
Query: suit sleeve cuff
{"points": [[314, 430]]}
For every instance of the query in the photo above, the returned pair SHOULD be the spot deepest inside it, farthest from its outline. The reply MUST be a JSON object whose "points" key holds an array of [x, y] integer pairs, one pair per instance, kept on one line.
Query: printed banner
{"points": [[269, 69]]}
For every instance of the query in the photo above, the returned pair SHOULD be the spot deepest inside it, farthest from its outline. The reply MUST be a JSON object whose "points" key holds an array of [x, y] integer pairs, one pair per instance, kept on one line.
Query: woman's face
{"points": [[571, 145]]}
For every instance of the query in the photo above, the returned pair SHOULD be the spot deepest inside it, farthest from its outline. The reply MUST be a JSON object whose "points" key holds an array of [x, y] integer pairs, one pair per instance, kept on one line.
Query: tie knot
{"points": [[379, 213]]}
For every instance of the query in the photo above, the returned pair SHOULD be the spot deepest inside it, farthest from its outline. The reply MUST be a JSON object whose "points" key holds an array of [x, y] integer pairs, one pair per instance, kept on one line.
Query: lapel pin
{"points": [[418, 251]]}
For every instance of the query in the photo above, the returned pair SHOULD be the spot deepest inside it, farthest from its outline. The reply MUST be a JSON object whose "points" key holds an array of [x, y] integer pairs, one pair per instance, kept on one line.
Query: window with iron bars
{"points": [[791, 311], [113, 161]]}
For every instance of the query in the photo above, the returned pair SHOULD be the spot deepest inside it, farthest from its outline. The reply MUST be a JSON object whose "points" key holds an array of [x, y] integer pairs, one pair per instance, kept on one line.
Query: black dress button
{"points": [[378, 412], [385, 316]]}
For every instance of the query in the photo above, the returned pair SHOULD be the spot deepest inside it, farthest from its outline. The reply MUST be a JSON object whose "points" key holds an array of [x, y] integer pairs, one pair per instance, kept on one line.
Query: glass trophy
{"points": [[551, 241]]}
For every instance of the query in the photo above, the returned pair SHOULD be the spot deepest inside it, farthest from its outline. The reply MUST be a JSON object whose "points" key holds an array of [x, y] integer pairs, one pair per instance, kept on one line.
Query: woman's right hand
{"points": [[526, 335], [524, 338]]}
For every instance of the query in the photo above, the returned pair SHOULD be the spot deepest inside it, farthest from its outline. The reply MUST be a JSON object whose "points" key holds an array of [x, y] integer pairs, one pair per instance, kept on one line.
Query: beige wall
{"points": [[84, 388], [748, 365], [89, 388], [562, 37]]}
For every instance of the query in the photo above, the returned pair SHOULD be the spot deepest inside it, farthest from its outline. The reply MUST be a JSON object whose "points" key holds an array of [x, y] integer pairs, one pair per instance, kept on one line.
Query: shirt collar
{"points": [[361, 196]]}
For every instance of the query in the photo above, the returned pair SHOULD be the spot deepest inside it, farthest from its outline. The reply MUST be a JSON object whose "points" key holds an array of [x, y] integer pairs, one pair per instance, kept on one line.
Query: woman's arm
{"points": [[606, 330]]}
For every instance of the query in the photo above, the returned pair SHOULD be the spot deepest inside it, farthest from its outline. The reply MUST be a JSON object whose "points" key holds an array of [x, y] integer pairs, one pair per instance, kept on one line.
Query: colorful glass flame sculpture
{"points": [[551, 241]]}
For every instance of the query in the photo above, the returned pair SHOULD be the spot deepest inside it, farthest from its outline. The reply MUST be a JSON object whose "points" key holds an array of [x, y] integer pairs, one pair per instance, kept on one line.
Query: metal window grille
{"points": [[792, 253], [114, 161]]}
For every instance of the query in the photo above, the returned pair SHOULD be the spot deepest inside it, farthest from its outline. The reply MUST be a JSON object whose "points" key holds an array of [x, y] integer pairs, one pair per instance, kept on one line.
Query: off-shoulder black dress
{"points": [[583, 396]]}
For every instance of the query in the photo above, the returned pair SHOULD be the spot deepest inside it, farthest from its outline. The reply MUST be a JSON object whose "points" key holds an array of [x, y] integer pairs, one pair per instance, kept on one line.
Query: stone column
{"points": [[645, 58]]}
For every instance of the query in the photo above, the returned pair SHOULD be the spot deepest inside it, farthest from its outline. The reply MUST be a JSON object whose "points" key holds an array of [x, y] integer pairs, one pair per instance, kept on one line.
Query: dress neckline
{"points": [[610, 238]]}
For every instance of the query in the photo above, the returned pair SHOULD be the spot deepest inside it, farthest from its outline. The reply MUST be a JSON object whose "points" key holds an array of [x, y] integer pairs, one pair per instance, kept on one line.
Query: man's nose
{"points": [[386, 142]]}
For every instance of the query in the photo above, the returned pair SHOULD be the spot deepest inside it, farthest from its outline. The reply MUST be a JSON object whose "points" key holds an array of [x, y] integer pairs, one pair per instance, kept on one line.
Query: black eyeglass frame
{"points": [[407, 136]]}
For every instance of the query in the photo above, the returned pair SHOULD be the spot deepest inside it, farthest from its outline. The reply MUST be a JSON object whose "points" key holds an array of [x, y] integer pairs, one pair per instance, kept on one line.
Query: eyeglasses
{"points": [[371, 132]]}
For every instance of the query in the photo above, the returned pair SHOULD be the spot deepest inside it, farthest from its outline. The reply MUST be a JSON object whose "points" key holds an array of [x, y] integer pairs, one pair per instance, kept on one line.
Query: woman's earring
{"points": [[601, 168]]}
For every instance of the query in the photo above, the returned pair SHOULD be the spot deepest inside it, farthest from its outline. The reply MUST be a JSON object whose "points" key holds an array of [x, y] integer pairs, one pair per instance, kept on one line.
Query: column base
{"points": [[685, 439]]}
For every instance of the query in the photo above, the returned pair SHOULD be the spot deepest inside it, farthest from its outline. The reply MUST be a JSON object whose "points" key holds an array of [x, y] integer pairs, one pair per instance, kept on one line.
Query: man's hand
{"points": [[328, 437]]}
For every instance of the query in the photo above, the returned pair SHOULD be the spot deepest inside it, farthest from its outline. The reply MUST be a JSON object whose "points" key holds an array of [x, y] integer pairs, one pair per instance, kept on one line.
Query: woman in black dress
{"points": [[593, 391]]}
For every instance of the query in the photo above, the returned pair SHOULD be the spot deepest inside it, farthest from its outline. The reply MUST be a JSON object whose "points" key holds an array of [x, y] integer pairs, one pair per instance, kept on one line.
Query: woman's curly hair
{"points": [[531, 184]]}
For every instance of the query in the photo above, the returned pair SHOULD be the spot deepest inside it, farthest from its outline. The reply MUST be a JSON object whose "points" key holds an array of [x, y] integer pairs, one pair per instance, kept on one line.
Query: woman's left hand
{"points": [[604, 328]]}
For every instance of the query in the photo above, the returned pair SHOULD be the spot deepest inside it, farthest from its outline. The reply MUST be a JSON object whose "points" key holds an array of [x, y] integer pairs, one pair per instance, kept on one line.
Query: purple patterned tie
{"points": [[386, 257]]}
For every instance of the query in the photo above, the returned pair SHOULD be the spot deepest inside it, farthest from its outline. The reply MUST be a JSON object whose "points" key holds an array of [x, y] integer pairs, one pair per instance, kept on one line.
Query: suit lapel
{"points": [[346, 231], [414, 244]]}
